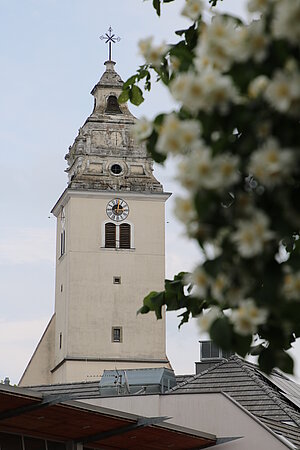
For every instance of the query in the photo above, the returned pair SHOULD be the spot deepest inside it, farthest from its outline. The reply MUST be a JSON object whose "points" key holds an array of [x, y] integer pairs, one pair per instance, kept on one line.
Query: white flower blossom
{"points": [[227, 167], [197, 170], [187, 89], [259, 5], [271, 164], [153, 54], [283, 92], [207, 318], [200, 280], [204, 91], [142, 129], [145, 45], [189, 133], [286, 22], [258, 86], [252, 235], [291, 286], [256, 41], [202, 170], [247, 317], [174, 63], [218, 42], [185, 210], [219, 90], [177, 135], [218, 287], [192, 9]]}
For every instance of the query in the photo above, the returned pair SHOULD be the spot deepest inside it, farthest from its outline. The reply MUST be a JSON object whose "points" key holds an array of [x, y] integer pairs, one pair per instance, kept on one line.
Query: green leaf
{"points": [[184, 318], [124, 96], [256, 349], [213, 266], [181, 276], [213, 2], [185, 56], [180, 32], [267, 360], [151, 142], [136, 95], [148, 300], [221, 333], [242, 344], [285, 363], [194, 305], [153, 302], [191, 37], [143, 73], [143, 310], [156, 6], [159, 119], [130, 81]]}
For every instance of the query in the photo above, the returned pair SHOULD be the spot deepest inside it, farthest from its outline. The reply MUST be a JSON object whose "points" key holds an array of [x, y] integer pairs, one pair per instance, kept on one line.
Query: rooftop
{"points": [[273, 399]]}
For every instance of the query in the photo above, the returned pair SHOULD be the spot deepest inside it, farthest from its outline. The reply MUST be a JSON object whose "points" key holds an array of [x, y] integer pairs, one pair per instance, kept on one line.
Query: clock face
{"points": [[117, 209]]}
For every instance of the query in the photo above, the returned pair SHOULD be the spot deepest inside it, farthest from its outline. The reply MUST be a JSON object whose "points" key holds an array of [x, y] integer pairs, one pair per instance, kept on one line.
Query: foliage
{"points": [[235, 136], [158, 3]]}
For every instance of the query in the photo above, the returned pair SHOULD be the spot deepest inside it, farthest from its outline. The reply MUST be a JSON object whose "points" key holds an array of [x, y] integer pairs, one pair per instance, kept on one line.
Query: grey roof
{"points": [[288, 388], [80, 390], [181, 378], [89, 389], [263, 396]]}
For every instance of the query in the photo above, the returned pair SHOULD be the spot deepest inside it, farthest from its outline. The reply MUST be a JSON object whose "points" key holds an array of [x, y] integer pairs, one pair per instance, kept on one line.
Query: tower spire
{"points": [[110, 39]]}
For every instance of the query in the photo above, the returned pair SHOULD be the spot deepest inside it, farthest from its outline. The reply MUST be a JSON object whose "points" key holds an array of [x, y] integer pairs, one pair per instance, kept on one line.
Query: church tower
{"points": [[110, 252]]}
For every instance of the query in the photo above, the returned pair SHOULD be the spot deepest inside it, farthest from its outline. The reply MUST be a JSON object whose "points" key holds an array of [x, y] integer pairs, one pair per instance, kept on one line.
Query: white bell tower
{"points": [[110, 252]]}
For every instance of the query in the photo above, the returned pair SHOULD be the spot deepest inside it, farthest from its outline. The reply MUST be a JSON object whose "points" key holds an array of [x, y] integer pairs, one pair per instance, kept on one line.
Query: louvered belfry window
{"points": [[110, 235], [125, 235]]}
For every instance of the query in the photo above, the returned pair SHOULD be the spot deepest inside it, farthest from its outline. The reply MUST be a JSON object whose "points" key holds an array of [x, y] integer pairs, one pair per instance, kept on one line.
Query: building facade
{"points": [[110, 252]]}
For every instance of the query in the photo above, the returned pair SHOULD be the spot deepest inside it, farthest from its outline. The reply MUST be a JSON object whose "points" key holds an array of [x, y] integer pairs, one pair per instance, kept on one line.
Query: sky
{"points": [[51, 57]]}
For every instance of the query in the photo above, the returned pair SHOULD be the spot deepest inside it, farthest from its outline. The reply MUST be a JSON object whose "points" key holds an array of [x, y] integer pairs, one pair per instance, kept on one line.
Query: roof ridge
{"points": [[268, 390], [198, 375]]}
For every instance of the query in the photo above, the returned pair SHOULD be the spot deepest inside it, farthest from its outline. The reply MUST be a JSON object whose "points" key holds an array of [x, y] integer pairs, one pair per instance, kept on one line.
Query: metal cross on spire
{"points": [[110, 38]]}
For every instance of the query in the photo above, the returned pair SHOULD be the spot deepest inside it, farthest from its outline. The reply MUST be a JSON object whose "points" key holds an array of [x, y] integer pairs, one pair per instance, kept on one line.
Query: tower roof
{"points": [[104, 154], [110, 78], [109, 87]]}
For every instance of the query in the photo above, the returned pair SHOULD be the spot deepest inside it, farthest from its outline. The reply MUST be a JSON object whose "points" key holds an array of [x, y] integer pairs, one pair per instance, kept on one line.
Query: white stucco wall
{"points": [[88, 304], [41, 363], [210, 413]]}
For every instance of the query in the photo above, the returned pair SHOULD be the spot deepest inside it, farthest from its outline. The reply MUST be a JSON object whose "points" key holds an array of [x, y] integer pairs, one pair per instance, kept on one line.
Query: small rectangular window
{"points": [[62, 242], [116, 334], [61, 287], [205, 350], [215, 350], [117, 280], [60, 340]]}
